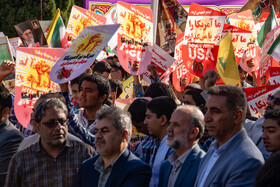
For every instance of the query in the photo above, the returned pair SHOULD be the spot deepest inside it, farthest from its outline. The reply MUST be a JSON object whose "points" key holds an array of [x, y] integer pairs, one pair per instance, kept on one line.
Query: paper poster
{"points": [[267, 60], [31, 33], [127, 88], [240, 38], [252, 53], [135, 37], [33, 67], [257, 98], [274, 75], [83, 51], [181, 77], [79, 19], [204, 25], [202, 36], [6, 54], [244, 20], [265, 15], [162, 60]]}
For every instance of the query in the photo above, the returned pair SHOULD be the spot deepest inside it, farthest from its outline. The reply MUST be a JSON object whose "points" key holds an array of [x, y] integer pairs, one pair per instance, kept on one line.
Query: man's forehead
{"points": [[104, 123], [26, 31], [270, 122], [216, 100]]}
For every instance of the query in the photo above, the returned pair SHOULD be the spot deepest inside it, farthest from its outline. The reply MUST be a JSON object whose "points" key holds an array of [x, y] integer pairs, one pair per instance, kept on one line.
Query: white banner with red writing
{"points": [[240, 38], [135, 37], [257, 98], [274, 75], [162, 60], [202, 36], [32, 78], [83, 51]]}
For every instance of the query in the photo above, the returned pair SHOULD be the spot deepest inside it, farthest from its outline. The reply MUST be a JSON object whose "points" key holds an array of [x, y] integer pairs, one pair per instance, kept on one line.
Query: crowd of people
{"points": [[202, 136]]}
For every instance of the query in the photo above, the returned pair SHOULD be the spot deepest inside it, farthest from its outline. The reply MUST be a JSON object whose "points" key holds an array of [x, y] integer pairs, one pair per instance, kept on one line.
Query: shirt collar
{"points": [[173, 158]]}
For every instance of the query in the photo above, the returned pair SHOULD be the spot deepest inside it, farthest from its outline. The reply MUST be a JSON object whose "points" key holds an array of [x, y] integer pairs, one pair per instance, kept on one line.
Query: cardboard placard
{"points": [[83, 51], [135, 37], [32, 79], [274, 75]]}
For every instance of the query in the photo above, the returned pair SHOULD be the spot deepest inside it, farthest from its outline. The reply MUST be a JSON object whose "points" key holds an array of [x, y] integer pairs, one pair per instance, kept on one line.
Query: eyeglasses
{"points": [[54, 123], [276, 99]]}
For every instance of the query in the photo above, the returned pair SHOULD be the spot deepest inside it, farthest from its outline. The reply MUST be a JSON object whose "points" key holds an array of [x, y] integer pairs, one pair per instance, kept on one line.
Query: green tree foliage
{"points": [[13, 12]]}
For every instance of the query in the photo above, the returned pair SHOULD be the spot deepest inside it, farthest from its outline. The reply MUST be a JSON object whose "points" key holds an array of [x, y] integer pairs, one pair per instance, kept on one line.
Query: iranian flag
{"points": [[56, 35], [274, 50], [269, 24]]}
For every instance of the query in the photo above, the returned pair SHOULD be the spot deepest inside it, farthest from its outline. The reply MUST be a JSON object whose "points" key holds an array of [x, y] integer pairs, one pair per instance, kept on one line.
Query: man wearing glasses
{"points": [[54, 160]]}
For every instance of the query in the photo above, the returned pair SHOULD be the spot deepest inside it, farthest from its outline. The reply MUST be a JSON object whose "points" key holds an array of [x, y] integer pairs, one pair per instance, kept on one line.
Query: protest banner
{"points": [[245, 20], [252, 53], [135, 37], [181, 77], [79, 19], [162, 60], [257, 98], [6, 54], [32, 79], [127, 88], [274, 75], [83, 51], [31, 33], [201, 40], [240, 38], [266, 60]]}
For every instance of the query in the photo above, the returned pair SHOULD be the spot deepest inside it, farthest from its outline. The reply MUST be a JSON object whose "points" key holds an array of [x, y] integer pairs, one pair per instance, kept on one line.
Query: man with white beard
{"points": [[185, 129], [28, 38]]}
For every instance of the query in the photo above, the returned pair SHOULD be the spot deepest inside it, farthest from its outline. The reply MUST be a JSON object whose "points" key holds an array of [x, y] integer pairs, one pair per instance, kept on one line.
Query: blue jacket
{"points": [[187, 174], [128, 170]]}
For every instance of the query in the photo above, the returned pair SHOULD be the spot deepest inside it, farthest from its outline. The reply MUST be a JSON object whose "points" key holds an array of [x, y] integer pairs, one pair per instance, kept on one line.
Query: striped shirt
{"points": [[33, 166]]}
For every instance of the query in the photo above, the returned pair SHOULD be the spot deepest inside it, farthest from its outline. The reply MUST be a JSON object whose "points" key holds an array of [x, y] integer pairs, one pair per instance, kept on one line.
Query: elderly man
{"points": [[185, 129], [53, 160], [232, 159], [115, 165]]}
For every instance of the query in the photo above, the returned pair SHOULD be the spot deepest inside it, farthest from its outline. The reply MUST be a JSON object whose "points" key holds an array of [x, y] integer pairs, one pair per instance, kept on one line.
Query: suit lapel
{"points": [[224, 157], [166, 174], [186, 166], [117, 169]]}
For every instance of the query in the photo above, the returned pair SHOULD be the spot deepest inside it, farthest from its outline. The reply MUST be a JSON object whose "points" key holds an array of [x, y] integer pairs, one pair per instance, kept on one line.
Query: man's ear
{"points": [[238, 116], [5, 113], [125, 135], [193, 133], [38, 126], [163, 120], [103, 98]]}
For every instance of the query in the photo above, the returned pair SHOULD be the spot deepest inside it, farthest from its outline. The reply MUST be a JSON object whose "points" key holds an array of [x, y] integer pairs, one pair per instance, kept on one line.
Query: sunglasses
{"points": [[53, 123], [276, 99]]}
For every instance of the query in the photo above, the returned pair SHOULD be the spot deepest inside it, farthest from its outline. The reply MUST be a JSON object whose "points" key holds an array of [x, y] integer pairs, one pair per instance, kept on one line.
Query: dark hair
{"points": [[53, 95], [103, 84], [196, 95], [5, 98], [269, 175], [235, 97], [117, 65], [46, 104], [116, 86], [274, 115], [101, 67], [162, 106], [137, 110], [77, 79], [158, 89]]}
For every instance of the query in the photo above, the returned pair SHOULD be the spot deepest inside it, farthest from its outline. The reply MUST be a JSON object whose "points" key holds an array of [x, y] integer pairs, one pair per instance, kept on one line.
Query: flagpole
{"points": [[154, 6]]}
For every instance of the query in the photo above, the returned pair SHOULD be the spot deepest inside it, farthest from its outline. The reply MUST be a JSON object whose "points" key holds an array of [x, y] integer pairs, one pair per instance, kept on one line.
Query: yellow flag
{"points": [[50, 33], [226, 62]]}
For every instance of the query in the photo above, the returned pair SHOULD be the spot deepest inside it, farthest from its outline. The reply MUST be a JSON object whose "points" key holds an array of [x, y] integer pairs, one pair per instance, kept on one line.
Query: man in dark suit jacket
{"points": [[10, 137], [115, 165], [185, 129]]}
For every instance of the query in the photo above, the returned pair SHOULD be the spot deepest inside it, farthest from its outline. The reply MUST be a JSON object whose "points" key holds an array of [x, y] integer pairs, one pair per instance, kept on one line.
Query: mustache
{"points": [[100, 141]]}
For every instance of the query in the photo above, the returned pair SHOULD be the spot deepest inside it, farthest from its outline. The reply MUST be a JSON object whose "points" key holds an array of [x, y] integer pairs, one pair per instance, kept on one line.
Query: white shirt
{"points": [[159, 158]]}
